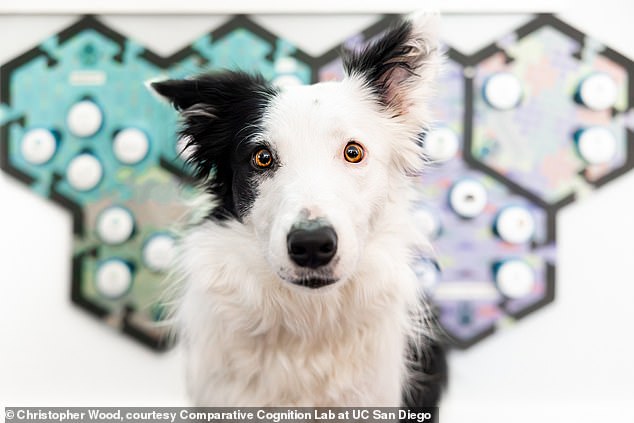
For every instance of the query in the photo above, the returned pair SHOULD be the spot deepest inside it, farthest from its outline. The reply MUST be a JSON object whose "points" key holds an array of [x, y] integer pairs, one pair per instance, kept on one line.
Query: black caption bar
{"points": [[206, 414]]}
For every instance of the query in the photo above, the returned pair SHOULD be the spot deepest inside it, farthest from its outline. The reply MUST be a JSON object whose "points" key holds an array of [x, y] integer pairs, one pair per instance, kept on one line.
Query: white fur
{"points": [[252, 337]]}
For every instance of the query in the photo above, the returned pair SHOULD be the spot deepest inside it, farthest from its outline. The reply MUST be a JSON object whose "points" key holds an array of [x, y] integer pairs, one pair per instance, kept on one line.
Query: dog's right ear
{"points": [[218, 110], [181, 93]]}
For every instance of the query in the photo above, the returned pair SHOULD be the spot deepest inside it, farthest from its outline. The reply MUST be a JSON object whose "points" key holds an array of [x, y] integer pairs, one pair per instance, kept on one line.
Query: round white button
{"points": [[441, 144], [468, 198], [287, 81], [427, 273], [285, 65], [515, 279], [38, 146], [428, 222], [113, 278], [503, 91], [515, 224], [84, 119], [115, 225], [158, 252], [598, 91], [84, 172], [597, 145], [130, 146]]}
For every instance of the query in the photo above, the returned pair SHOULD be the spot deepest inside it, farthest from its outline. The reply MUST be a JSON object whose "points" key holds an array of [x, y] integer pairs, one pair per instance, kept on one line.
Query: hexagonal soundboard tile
{"points": [[551, 111]]}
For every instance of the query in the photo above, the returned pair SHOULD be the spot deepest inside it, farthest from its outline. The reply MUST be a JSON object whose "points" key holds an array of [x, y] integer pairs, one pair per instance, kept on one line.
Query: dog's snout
{"points": [[312, 245]]}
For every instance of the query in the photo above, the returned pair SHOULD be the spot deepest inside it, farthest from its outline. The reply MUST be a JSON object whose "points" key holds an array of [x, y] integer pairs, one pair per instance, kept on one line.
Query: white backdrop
{"points": [[570, 362]]}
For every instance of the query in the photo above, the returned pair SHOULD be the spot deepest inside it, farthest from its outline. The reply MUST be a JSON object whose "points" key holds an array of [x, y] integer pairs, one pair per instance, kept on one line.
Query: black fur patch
{"points": [[220, 112], [429, 376], [380, 58]]}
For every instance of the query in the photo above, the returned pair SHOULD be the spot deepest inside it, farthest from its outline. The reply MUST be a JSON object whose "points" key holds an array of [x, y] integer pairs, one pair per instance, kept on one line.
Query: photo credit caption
{"points": [[224, 414]]}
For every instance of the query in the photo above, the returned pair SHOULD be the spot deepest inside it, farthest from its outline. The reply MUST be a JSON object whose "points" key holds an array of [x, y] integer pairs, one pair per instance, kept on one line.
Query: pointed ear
{"points": [[182, 93], [218, 110], [401, 67]]}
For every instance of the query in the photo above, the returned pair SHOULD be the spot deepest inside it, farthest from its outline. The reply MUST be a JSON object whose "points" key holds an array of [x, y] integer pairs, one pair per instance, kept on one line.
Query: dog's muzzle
{"points": [[312, 243]]}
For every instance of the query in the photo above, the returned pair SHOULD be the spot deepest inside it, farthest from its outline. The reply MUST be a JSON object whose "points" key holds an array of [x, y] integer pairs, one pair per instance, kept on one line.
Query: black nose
{"points": [[312, 246]]}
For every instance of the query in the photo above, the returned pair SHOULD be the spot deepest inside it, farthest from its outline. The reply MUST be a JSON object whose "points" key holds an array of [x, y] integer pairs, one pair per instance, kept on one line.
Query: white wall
{"points": [[570, 362]]}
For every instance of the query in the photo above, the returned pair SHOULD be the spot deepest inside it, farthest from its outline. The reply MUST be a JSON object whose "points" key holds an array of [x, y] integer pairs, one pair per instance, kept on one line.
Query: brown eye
{"points": [[262, 158], [353, 152]]}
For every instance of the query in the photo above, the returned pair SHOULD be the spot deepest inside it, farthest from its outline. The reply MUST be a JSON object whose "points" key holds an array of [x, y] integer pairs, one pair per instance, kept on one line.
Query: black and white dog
{"points": [[298, 288]]}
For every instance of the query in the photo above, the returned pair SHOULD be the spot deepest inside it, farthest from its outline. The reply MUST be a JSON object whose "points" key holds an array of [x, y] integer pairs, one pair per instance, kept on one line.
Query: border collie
{"points": [[297, 288]]}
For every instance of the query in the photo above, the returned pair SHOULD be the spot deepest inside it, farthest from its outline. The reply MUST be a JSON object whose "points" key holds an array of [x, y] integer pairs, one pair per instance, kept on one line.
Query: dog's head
{"points": [[311, 168]]}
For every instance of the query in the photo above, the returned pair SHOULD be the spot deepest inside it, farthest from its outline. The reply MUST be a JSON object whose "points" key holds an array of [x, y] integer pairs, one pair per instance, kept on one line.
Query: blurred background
{"points": [[529, 205]]}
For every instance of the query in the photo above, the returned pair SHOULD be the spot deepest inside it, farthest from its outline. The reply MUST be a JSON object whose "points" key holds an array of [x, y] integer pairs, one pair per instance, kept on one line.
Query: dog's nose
{"points": [[312, 246]]}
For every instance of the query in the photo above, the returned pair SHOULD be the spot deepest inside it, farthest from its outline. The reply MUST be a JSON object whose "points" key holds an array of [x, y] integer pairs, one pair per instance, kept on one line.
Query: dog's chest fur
{"points": [[355, 368], [271, 345]]}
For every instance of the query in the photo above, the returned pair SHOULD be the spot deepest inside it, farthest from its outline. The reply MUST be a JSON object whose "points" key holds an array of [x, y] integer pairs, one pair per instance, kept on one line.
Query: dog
{"points": [[297, 287]]}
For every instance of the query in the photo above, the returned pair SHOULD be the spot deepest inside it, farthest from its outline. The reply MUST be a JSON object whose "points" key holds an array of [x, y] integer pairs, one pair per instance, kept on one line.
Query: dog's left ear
{"points": [[400, 67]]}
